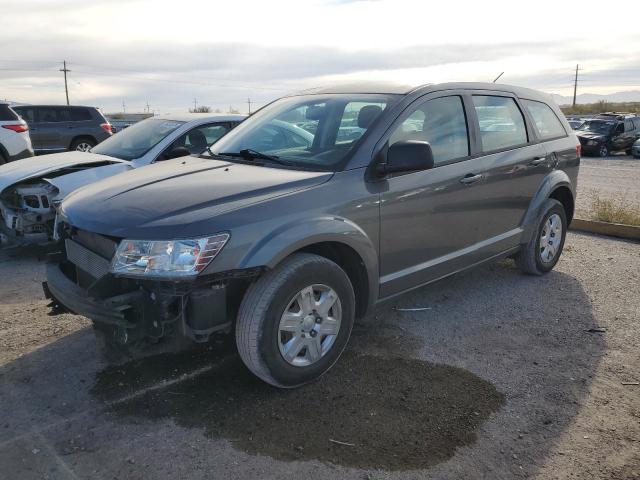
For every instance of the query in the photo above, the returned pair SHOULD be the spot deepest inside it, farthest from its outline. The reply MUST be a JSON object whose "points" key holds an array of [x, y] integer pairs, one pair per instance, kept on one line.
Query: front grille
{"points": [[86, 260], [100, 244]]}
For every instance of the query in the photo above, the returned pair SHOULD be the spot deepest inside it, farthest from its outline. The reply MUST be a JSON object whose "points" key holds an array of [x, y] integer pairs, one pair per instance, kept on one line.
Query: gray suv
{"points": [[57, 128], [285, 243]]}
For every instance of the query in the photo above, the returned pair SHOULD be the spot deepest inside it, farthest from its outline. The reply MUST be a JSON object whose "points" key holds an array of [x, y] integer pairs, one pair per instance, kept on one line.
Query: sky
{"points": [[168, 54]]}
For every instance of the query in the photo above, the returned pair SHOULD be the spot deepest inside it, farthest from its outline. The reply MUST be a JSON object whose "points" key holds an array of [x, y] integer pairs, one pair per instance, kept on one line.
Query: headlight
{"points": [[593, 142], [170, 258]]}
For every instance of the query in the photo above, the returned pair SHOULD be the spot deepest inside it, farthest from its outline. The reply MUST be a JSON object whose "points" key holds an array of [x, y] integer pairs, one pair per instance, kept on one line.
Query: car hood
{"points": [[589, 135], [43, 165], [72, 181], [163, 199]]}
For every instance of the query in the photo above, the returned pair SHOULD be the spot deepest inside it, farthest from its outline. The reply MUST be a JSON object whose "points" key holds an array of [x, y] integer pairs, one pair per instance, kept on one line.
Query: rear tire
{"points": [[3, 160], [276, 324], [82, 144], [549, 235]]}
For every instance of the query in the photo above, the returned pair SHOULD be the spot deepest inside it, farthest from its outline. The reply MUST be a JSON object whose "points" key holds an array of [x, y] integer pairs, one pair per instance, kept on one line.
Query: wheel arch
{"points": [[80, 137], [337, 239], [556, 185]]}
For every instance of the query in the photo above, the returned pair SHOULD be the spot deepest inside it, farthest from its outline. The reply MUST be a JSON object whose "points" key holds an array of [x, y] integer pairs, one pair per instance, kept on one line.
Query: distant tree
{"points": [[233, 110], [200, 109], [600, 107], [217, 110]]}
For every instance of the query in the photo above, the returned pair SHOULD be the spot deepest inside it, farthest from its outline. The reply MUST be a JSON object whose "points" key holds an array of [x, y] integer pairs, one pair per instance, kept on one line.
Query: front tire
{"points": [[295, 320], [603, 152], [543, 251]]}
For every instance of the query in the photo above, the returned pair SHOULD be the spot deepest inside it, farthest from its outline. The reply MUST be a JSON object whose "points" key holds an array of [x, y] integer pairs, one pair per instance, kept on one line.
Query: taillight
{"points": [[579, 150], [107, 127], [19, 127]]}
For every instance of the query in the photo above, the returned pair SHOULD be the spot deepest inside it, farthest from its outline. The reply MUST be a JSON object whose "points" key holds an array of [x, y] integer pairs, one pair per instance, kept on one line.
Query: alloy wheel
{"points": [[83, 147], [550, 238], [309, 325]]}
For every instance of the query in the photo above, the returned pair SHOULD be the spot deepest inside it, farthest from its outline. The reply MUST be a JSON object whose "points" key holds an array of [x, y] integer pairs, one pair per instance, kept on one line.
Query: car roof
{"points": [[189, 117], [405, 89], [52, 106]]}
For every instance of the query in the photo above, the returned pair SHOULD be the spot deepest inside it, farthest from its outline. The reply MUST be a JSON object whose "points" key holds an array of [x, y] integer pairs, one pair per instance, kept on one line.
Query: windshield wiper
{"points": [[249, 154]]}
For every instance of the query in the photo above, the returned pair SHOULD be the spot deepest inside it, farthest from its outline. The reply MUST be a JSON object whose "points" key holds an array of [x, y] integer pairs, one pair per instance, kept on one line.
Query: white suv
{"points": [[15, 142]]}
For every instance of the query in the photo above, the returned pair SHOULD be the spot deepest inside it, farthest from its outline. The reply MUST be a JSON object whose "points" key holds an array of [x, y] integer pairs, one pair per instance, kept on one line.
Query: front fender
{"points": [[291, 237], [553, 180]]}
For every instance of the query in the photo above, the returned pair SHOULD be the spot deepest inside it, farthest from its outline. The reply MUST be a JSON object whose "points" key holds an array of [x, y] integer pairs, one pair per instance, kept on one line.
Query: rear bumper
{"points": [[26, 153]]}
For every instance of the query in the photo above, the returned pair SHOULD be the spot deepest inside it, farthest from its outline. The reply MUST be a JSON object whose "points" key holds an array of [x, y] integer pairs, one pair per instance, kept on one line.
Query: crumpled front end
{"points": [[79, 281], [27, 212]]}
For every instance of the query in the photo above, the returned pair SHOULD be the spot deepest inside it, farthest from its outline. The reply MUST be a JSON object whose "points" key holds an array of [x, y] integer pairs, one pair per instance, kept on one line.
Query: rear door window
{"points": [[628, 125], [442, 123], [47, 114], [501, 122], [27, 113], [545, 122]]}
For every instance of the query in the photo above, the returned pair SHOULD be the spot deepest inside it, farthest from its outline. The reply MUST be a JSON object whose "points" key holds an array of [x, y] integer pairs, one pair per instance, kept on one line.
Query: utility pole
{"points": [[575, 86], [123, 107], [195, 105], [64, 69], [147, 106], [249, 103]]}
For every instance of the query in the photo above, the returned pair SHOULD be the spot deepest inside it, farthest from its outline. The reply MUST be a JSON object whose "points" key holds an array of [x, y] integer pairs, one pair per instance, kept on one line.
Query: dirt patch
{"points": [[389, 413]]}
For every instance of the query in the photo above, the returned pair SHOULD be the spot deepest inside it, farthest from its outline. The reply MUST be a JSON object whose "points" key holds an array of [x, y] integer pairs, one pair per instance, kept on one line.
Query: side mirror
{"points": [[178, 152], [407, 156]]}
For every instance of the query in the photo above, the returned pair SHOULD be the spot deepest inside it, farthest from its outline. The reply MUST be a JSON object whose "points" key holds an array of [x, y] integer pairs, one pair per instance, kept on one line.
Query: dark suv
{"points": [[285, 243], [59, 128], [609, 132]]}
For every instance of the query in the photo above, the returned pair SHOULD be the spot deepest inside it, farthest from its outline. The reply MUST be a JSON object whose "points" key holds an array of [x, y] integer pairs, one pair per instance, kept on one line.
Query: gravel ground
{"points": [[501, 378], [616, 176]]}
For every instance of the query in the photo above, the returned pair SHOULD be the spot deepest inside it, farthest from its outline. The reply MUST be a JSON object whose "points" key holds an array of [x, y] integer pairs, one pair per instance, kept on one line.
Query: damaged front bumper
{"points": [[79, 282]]}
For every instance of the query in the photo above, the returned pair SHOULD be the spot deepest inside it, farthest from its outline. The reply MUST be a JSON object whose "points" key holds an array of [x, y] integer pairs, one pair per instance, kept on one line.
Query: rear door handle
{"points": [[470, 178], [537, 161]]}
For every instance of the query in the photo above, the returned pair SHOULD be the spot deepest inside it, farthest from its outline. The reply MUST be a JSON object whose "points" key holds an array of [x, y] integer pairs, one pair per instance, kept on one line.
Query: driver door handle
{"points": [[537, 161], [470, 178]]}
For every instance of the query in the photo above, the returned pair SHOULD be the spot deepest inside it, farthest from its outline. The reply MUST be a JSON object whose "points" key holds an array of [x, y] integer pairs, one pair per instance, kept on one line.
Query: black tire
{"points": [[603, 151], [529, 258], [257, 326], [3, 160], [81, 141], [627, 152]]}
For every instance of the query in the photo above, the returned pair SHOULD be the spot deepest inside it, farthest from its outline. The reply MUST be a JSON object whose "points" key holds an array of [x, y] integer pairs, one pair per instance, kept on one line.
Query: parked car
{"points": [[29, 189], [575, 124], [609, 132], [15, 143], [56, 128], [635, 149], [287, 245]]}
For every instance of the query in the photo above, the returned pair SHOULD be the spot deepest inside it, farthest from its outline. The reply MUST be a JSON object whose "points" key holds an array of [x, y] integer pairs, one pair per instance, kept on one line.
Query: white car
{"points": [[15, 143], [30, 188]]}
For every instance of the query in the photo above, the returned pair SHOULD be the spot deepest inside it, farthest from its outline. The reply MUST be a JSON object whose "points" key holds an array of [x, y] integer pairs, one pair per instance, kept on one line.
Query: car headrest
{"points": [[367, 115], [197, 140], [314, 112]]}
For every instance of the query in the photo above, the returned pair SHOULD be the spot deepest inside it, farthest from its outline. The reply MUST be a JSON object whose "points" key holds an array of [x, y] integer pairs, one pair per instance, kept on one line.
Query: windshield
{"points": [[138, 139], [312, 131], [597, 126]]}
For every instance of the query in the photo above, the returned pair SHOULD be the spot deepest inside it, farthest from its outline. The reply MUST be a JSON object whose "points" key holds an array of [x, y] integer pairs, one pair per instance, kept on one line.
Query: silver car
{"points": [[30, 188]]}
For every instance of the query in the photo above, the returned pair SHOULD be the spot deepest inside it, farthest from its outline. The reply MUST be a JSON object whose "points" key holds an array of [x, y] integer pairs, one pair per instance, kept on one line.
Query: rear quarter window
{"points": [[79, 114], [545, 122], [6, 114]]}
